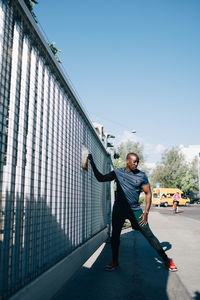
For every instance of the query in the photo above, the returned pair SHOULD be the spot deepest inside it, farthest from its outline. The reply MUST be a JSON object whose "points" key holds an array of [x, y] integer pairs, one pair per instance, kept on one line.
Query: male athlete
{"points": [[130, 182]]}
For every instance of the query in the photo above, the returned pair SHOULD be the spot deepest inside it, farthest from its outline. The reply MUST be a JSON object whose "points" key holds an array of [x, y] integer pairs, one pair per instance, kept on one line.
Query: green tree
{"points": [[124, 149], [191, 182], [55, 51], [174, 171], [30, 4], [171, 170]]}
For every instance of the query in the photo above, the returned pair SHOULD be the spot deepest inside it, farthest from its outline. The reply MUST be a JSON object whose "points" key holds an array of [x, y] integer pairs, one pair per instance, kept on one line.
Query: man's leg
{"points": [[148, 234], [118, 219], [154, 242]]}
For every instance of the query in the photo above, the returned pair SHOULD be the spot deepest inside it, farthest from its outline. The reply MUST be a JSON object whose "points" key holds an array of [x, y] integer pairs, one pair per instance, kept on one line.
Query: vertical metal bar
{"points": [[26, 212], [50, 167], [18, 202], [67, 232], [64, 175], [44, 169], [73, 178], [21, 160], [55, 171], [70, 178], [39, 149], [52, 178], [9, 180]]}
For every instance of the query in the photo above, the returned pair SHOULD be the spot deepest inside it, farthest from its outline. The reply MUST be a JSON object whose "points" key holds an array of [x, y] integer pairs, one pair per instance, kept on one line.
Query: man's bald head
{"points": [[132, 161], [130, 154]]}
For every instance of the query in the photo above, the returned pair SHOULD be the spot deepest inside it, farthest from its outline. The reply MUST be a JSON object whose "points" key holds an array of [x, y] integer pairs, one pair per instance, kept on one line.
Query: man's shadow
{"points": [[197, 296], [166, 246], [141, 274]]}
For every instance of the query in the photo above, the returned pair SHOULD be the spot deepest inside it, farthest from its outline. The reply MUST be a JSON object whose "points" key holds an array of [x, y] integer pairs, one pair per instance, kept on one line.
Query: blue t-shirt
{"points": [[131, 184]]}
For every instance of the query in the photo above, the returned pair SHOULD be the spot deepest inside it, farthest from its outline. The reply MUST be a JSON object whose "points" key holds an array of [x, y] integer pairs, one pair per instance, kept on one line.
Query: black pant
{"points": [[119, 215]]}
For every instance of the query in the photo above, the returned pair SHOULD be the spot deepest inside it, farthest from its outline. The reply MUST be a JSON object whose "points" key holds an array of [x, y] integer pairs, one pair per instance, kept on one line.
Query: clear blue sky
{"points": [[134, 63]]}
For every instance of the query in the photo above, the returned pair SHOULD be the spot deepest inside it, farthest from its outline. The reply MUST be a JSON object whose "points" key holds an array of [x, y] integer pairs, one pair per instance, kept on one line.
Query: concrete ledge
{"points": [[50, 282]]}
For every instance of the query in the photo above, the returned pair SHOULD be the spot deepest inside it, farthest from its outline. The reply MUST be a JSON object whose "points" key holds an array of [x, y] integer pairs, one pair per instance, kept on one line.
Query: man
{"points": [[130, 182]]}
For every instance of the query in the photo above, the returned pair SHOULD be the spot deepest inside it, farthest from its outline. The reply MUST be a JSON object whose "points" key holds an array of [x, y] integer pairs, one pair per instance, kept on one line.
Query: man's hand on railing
{"points": [[90, 157]]}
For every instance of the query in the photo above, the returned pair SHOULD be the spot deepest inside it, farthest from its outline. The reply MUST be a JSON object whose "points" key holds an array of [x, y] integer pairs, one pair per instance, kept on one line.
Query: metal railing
{"points": [[49, 205]]}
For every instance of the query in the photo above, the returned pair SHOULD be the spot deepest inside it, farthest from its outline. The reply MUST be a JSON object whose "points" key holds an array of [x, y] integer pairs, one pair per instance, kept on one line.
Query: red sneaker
{"points": [[169, 264], [112, 266]]}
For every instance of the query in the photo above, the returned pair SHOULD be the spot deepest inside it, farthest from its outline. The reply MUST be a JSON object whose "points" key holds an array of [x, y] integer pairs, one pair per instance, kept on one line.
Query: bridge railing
{"points": [[49, 207]]}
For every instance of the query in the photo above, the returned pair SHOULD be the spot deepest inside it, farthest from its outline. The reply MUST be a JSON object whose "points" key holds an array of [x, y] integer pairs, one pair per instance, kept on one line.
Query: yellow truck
{"points": [[163, 197]]}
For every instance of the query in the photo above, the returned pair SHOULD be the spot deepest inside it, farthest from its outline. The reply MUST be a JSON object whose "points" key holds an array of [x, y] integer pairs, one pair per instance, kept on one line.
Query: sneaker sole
{"points": [[172, 270], [112, 269]]}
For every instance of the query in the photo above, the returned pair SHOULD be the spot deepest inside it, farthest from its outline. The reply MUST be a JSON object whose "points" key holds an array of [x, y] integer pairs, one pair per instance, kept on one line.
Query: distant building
{"points": [[104, 136], [190, 152]]}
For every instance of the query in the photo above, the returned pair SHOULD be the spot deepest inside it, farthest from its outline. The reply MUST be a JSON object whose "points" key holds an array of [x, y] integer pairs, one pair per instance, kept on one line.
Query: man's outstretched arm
{"points": [[100, 177]]}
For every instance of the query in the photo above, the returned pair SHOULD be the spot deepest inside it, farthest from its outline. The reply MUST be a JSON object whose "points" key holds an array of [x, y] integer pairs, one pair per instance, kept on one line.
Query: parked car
{"points": [[194, 197]]}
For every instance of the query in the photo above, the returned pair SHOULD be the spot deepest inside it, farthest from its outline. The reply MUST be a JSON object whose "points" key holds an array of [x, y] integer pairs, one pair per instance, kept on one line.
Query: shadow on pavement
{"points": [[33, 241], [166, 246], [141, 274], [197, 296]]}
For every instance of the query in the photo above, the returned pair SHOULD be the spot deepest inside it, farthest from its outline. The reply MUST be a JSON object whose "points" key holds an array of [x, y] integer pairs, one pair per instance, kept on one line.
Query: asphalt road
{"points": [[192, 211]]}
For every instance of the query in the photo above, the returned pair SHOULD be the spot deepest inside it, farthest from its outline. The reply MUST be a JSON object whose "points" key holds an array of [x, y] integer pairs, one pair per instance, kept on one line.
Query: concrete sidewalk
{"points": [[141, 274]]}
